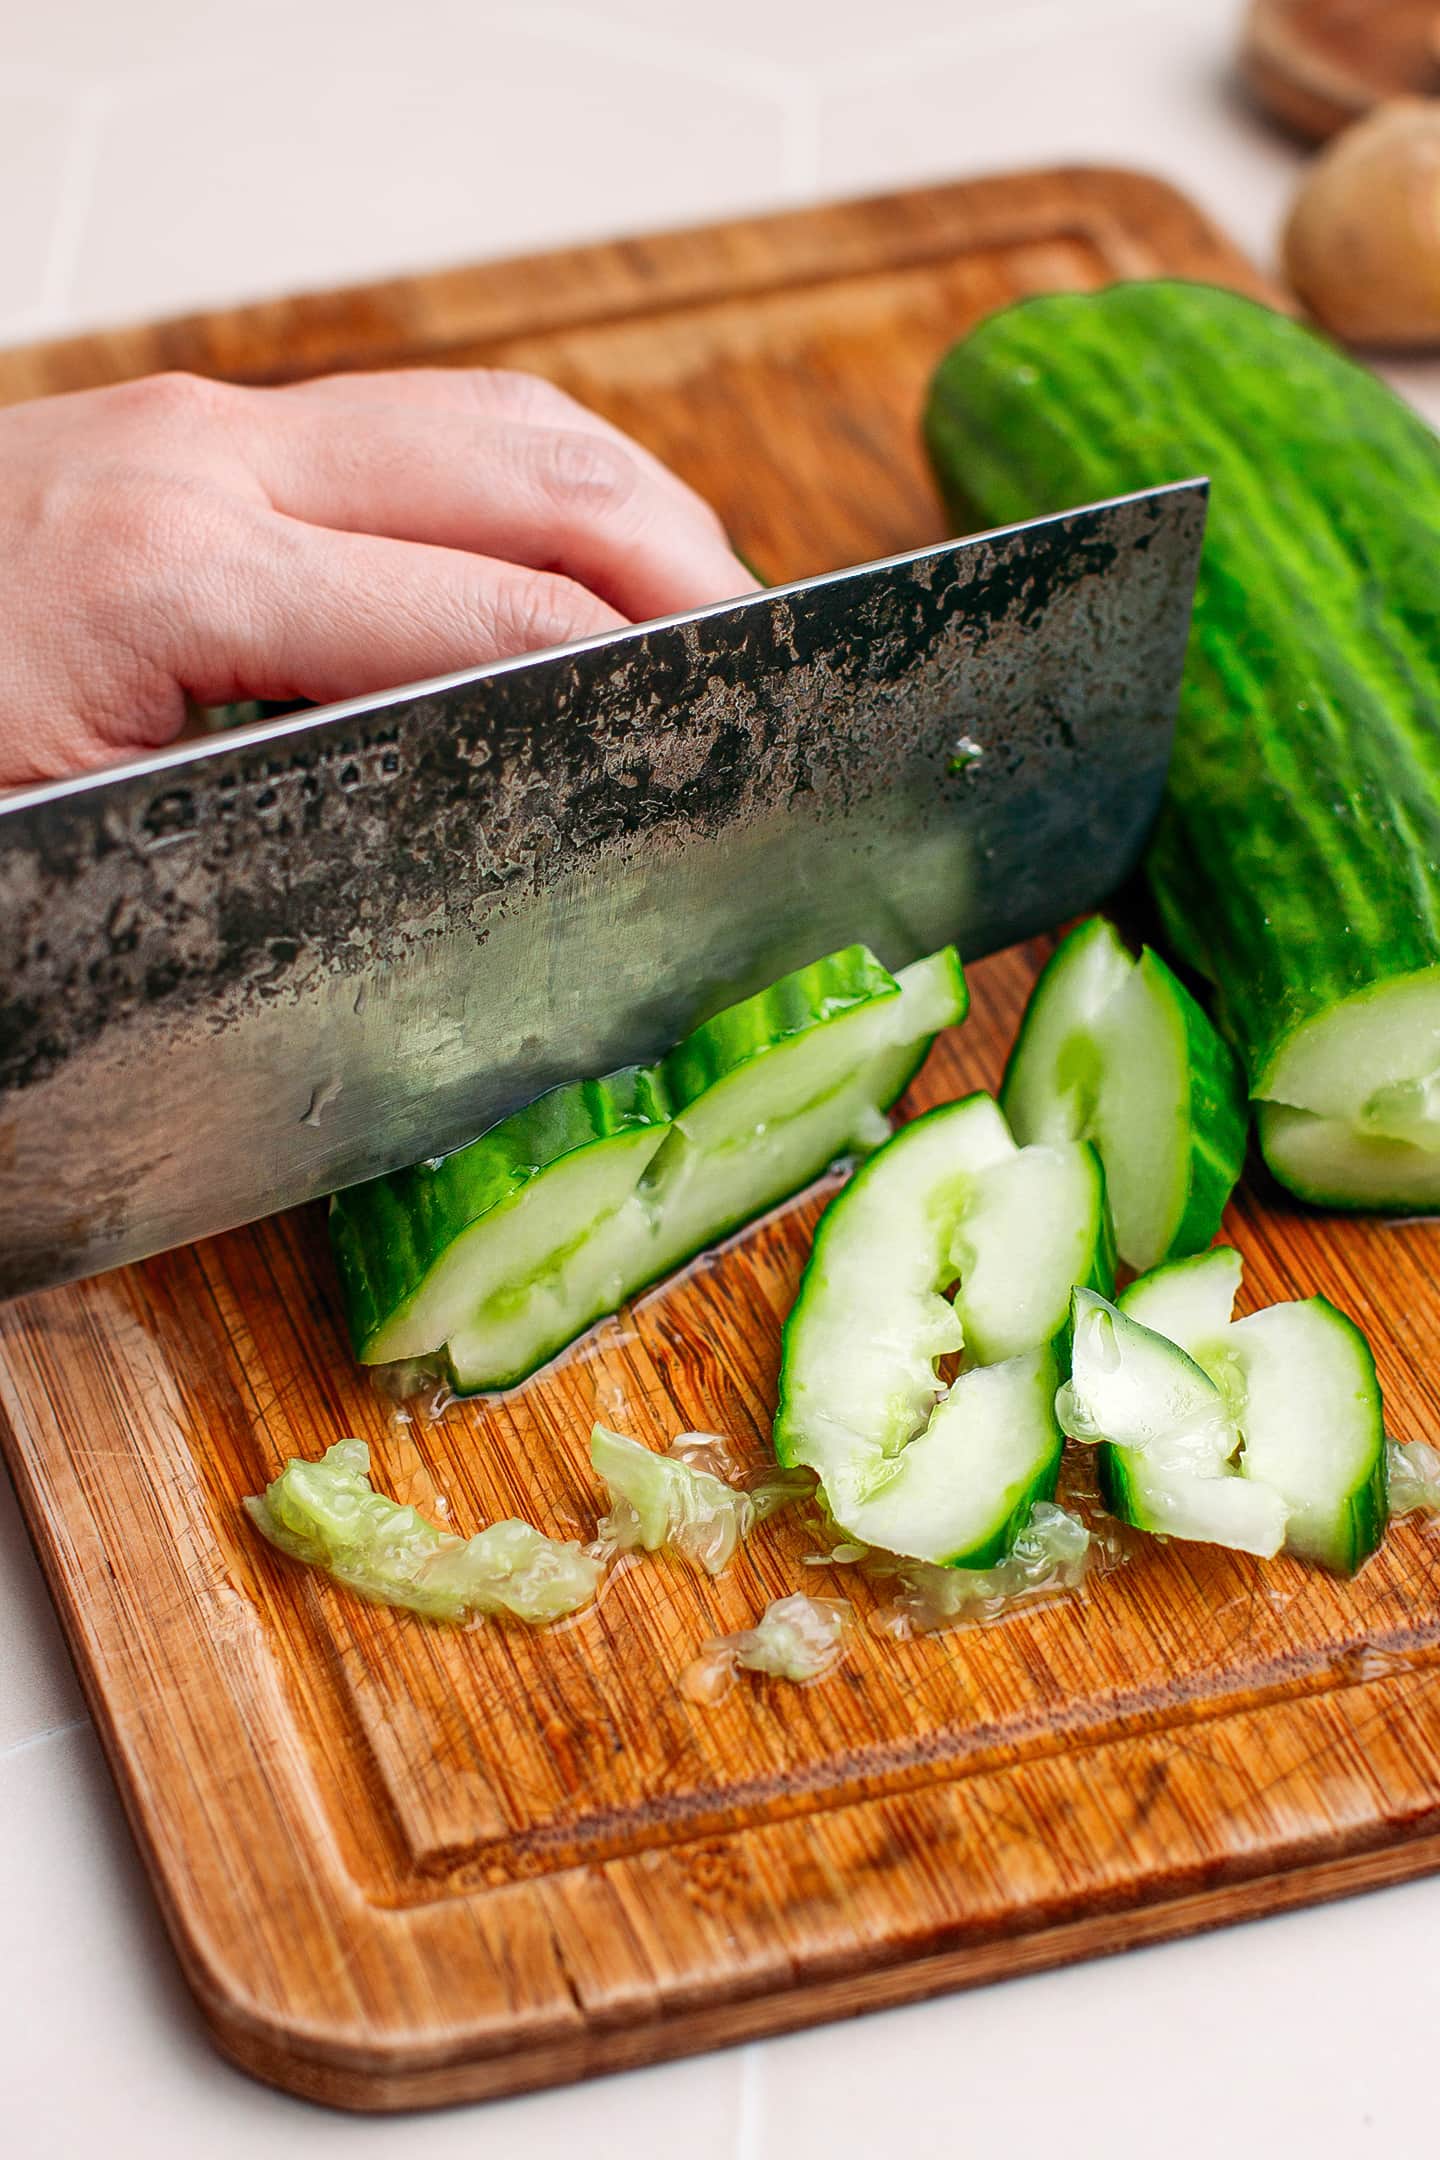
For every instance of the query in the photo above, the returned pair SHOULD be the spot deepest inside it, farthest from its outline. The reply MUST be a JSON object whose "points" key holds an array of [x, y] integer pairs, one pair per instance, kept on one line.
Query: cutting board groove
{"points": [[404, 1866]]}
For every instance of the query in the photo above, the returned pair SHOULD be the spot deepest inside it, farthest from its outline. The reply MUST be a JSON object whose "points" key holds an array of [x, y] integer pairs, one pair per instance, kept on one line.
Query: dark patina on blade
{"points": [[259, 967]]}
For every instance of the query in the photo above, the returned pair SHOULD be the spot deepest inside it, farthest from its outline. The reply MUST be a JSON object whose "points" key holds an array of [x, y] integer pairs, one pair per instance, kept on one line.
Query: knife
{"points": [[260, 966]]}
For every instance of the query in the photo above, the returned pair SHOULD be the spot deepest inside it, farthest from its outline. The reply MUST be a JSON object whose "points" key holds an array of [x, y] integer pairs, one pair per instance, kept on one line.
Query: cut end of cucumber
{"points": [[1117, 1051], [1349, 1107]]}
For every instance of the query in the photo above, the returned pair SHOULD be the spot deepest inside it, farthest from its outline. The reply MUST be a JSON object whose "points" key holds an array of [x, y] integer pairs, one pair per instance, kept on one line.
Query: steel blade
{"points": [[261, 966]]}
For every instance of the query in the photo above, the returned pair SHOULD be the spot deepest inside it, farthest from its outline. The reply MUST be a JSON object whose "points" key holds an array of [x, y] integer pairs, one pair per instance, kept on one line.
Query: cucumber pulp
{"points": [[500, 1254], [1251, 1433], [949, 1481], [1117, 1051]]}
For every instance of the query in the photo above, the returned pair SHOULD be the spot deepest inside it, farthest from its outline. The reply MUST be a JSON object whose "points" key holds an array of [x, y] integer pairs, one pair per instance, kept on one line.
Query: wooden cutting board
{"points": [[404, 1866]]}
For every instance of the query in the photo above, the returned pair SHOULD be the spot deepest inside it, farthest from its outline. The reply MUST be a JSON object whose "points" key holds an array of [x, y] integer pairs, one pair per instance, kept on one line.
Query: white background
{"points": [[157, 155]]}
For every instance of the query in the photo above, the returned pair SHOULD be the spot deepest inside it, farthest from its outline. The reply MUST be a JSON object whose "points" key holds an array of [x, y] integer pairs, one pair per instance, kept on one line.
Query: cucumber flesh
{"points": [[941, 1480], [1053, 1076], [1350, 1107], [419, 1251], [1190, 1301], [761, 1114], [1300, 1396], [1169, 1446], [1117, 1051], [963, 1489], [1313, 1426], [1033, 1225]]}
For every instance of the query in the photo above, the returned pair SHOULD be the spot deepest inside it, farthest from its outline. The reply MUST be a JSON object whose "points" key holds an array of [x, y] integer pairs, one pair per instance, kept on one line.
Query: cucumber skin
{"points": [[385, 1235], [1219, 1123], [1297, 858], [712, 1238], [1367, 1511], [773, 1017]]}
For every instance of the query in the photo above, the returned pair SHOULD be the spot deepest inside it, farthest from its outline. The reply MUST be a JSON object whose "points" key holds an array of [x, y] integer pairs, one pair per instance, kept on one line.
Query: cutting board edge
{"points": [[393, 2084], [429, 313]]}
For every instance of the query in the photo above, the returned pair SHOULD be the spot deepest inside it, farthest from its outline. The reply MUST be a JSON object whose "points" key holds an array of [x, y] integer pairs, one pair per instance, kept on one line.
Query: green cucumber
{"points": [[498, 1255], [952, 1480], [1167, 1444], [1251, 1433], [1300, 1385], [418, 1251], [1117, 1051], [1297, 860]]}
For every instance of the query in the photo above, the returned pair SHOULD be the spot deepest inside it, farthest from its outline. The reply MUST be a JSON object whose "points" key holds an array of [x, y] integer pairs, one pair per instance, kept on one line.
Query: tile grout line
{"points": [[39, 1739]]}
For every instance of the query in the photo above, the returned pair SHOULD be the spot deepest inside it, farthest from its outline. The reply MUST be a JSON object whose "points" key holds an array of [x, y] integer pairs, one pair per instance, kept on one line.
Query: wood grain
{"points": [[1319, 64], [404, 1866]]}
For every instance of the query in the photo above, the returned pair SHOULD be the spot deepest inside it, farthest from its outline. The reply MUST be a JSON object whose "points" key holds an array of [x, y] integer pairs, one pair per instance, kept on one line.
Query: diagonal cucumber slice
{"points": [[417, 1252], [859, 1383], [1300, 1386], [1191, 1301], [1033, 1226], [504, 1251], [728, 1157], [962, 1491], [1168, 1447], [1299, 1399], [1117, 1051]]}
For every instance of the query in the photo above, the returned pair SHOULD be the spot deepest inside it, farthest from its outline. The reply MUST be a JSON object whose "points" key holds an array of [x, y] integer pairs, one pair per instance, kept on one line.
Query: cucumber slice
{"points": [[859, 1382], [419, 1251], [1299, 1395], [1167, 1461], [962, 1491], [1314, 1427], [1117, 1051], [1300, 1387], [1191, 1301], [1034, 1224], [503, 1252]]}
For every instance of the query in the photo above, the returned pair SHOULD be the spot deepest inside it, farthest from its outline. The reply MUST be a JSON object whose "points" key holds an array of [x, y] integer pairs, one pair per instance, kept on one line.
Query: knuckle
{"points": [[585, 472], [520, 396], [173, 399], [532, 613]]}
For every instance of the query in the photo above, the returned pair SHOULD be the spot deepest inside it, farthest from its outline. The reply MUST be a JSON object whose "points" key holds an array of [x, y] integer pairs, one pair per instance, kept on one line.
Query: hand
{"points": [[175, 536]]}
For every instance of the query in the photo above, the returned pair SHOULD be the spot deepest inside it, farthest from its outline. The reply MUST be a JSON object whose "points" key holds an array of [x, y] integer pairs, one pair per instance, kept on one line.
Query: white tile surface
{"points": [[37, 1684], [37, 140], [253, 178], [165, 153], [102, 2052]]}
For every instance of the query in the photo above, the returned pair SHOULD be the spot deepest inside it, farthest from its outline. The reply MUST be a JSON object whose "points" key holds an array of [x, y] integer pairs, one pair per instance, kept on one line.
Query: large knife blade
{"points": [[258, 967]]}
